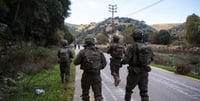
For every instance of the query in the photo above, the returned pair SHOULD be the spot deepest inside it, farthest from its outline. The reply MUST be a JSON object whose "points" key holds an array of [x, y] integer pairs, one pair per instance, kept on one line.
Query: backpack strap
{"points": [[135, 54], [137, 51]]}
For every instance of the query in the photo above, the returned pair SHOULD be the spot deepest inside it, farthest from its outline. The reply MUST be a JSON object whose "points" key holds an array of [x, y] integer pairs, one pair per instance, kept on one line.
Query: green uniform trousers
{"points": [[65, 71], [90, 79], [140, 79]]}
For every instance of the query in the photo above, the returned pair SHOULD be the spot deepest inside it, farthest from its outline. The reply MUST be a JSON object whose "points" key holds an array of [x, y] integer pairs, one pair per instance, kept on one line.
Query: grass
{"points": [[49, 80], [172, 69]]}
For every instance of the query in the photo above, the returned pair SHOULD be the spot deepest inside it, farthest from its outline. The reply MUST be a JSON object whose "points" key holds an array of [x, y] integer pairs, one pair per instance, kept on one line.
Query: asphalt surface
{"points": [[163, 86]]}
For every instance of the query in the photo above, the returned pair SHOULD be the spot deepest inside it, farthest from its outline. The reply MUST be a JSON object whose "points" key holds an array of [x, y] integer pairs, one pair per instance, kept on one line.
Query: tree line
{"points": [[33, 22], [28, 28]]}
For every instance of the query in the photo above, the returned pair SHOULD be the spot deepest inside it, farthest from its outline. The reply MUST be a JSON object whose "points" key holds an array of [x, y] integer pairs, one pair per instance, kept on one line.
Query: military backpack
{"points": [[117, 51], [142, 54], [64, 54], [92, 62]]}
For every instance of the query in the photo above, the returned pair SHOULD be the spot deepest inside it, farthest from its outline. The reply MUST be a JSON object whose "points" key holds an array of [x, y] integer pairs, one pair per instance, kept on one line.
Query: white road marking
{"points": [[119, 91], [104, 98], [113, 96], [185, 89]]}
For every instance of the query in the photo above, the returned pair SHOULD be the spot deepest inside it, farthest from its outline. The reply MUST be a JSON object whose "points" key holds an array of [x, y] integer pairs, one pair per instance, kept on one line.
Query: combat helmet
{"points": [[64, 43], [116, 38], [137, 35], [89, 40]]}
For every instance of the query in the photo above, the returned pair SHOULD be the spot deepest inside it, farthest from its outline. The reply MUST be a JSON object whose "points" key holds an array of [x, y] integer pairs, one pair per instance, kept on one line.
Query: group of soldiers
{"points": [[91, 60]]}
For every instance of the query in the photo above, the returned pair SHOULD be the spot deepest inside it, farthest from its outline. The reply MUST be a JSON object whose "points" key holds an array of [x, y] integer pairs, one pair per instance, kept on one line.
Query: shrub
{"points": [[15, 60], [194, 60], [5, 66], [41, 58], [27, 60], [163, 59], [182, 68], [41, 53]]}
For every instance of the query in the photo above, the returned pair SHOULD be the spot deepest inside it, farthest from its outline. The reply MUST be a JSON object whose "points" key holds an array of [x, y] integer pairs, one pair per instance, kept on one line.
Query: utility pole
{"points": [[112, 9]]}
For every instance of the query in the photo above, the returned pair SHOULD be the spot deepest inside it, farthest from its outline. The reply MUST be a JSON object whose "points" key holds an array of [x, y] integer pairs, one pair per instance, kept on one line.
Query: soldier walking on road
{"points": [[92, 61], [138, 55], [65, 55], [116, 50]]}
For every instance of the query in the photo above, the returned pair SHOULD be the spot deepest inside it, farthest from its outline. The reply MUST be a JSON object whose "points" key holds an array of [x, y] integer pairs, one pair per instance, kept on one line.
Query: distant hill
{"points": [[165, 26], [120, 24]]}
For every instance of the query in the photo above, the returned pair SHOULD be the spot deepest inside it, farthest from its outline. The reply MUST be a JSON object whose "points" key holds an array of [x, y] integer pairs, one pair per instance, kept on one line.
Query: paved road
{"points": [[163, 86]]}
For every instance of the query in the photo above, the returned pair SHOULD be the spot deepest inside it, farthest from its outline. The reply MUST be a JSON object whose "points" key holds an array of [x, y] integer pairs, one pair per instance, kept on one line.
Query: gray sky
{"points": [[150, 11]]}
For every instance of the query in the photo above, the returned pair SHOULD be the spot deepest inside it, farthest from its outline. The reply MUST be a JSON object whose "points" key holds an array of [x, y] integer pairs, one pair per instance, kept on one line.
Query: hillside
{"points": [[165, 26], [105, 26]]}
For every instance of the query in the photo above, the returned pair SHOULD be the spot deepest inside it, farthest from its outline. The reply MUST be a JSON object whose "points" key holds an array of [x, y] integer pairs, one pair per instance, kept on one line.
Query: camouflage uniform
{"points": [[90, 78], [137, 73], [65, 65], [115, 64]]}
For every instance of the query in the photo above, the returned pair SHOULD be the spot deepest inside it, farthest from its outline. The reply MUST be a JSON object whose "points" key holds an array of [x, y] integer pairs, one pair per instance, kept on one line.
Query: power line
{"points": [[139, 10], [112, 9]]}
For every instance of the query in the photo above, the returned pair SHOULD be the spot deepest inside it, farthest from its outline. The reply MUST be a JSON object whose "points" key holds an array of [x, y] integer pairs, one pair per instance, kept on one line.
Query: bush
{"points": [[194, 60], [164, 59], [182, 68], [162, 37], [41, 53], [27, 60], [5, 66]]}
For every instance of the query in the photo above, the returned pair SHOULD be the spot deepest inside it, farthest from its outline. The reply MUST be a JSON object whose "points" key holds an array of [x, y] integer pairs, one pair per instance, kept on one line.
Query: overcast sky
{"points": [[150, 11]]}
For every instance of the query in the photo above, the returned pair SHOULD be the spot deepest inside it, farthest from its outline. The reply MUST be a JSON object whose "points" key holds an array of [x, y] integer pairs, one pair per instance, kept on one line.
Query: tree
{"points": [[35, 21], [67, 35], [165, 37], [192, 29], [101, 38], [162, 37], [127, 33], [4, 10], [152, 36]]}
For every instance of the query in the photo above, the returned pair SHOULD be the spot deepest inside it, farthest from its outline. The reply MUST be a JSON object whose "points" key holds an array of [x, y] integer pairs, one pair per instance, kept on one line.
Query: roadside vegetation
{"points": [[30, 32], [181, 64], [47, 80], [172, 69]]}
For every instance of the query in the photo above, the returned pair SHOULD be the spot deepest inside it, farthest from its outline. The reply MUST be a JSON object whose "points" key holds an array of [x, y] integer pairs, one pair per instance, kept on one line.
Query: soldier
{"points": [[91, 61], [65, 55], [138, 55], [116, 50]]}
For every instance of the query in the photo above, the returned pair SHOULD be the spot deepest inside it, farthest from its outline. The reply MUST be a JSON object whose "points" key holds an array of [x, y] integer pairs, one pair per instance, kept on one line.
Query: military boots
{"points": [[99, 98], [117, 80], [62, 78], [145, 99], [85, 98], [128, 96]]}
